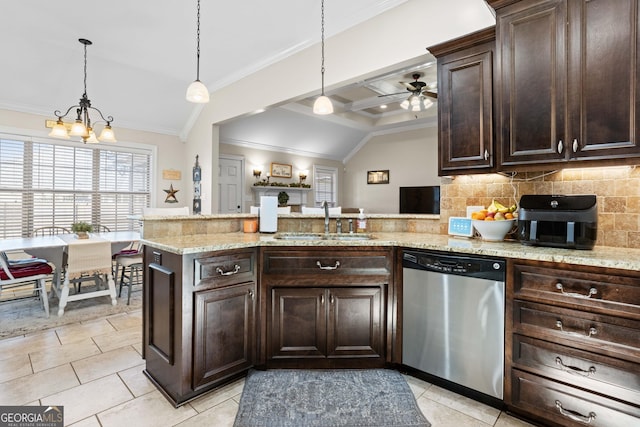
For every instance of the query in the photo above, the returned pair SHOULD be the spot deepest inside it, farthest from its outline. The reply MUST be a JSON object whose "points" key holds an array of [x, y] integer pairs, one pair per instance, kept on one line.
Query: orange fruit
{"points": [[477, 215], [508, 215]]}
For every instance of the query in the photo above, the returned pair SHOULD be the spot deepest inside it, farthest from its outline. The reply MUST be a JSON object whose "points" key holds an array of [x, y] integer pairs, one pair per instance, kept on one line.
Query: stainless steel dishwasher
{"points": [[453, 318]]}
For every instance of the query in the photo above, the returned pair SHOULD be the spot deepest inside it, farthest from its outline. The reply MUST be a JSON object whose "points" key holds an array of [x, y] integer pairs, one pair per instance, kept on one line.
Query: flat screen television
{"points": [[420, 200]]}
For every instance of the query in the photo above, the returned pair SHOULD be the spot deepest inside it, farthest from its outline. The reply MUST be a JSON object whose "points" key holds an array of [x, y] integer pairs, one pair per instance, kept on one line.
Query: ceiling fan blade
{"points": [[431, 93], [409, 86], [392, 94]]}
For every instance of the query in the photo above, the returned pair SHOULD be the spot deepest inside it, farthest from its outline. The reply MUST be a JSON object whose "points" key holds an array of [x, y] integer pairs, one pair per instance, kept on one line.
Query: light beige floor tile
{"points": [[416, 385], [105, 364], [15, 367], [87, 422], [136, 381], [80, 331], [126, 320], [138, 348], [91, 398], [218, 396], [117, 339], [222, 415], [151, 409], [443, 416], [508, 421], [25, 344], [36, 386], [477, 410], [45, 359]]}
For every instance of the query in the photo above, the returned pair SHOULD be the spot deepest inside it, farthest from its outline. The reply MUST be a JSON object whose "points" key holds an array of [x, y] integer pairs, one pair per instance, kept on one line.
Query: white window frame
{"points": [[320, 192]]}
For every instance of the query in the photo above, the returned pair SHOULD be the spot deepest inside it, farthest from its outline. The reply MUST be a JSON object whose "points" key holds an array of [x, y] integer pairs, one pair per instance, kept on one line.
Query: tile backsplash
{"points": [[617, 190]]}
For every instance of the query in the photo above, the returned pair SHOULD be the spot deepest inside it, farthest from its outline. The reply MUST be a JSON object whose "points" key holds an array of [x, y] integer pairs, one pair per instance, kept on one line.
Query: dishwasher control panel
{"points": [[458, 264]]}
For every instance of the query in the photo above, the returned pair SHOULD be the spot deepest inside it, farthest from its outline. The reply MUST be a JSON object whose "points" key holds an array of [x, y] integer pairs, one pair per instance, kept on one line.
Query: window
{"points": [[326, 185], [43, 184]]}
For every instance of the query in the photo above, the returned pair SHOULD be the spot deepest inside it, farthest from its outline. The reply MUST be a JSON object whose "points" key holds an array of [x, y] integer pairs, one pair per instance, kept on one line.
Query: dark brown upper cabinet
{"points": [[465, 104], [567, 72]]}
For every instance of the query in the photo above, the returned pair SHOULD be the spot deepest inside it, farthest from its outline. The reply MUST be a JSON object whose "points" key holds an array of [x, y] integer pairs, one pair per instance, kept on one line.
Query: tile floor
{"points": [[94, 369]]}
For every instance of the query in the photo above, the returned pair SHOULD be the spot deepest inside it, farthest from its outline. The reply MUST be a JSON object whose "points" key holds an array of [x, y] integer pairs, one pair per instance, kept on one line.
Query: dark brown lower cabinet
{"points": [[324, 324]]}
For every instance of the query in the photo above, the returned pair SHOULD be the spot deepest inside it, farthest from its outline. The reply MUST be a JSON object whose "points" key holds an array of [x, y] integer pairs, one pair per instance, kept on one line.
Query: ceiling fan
{"points": [[417, 101]]}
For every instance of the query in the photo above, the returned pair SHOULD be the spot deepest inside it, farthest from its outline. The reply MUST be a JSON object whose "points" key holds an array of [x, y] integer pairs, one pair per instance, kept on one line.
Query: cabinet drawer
{"points": [[224, 270], [594, 332], [614, 293], [568, 406], [614, 377], [328, 261]]}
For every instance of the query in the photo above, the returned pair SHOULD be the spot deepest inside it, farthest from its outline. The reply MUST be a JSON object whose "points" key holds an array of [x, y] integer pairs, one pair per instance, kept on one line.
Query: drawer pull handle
{"points": [[575, 416], [328, 267], [575, 369], [592, 291], [235, 270], [592, 330]]}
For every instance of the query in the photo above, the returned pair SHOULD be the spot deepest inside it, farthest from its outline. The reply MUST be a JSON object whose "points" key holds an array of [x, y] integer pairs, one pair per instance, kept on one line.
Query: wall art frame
{"points": [[378, 177], [281, 170]]}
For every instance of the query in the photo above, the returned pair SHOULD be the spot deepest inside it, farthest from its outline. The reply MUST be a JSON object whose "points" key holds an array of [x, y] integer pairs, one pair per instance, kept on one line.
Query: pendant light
{"points": [[197, 92], [323, 104], [82, 126]]}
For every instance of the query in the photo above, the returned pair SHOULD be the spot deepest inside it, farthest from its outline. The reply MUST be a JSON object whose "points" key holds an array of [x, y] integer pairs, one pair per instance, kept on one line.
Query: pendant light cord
{"points": [[198, 45], [85, 70], [322, 43]]}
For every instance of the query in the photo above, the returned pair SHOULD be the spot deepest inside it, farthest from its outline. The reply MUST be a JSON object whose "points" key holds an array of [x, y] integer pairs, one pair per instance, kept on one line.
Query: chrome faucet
{"points": [[325, 205]]}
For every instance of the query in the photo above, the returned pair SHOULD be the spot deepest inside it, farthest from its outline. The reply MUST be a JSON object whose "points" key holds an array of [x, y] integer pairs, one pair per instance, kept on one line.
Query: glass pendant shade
{"points": [[405, 104], [78, 129], [107, 134], [92, 138], [323, 105], [197, 92], [59, 130]]}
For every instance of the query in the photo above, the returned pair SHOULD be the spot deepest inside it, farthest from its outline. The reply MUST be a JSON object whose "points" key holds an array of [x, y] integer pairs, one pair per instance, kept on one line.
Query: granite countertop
{"points": [[600, 256]]}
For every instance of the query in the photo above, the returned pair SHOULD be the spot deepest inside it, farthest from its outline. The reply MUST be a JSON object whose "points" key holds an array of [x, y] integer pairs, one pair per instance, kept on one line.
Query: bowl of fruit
{"points": [[495, 222]]}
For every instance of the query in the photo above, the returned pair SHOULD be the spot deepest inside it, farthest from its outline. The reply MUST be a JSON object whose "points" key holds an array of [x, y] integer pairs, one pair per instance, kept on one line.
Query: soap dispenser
{"points": [[361, 226]]}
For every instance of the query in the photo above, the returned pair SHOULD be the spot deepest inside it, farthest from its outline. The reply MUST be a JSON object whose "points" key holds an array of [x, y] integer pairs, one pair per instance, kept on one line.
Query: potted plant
{"points": [[82, 229], [283, 198]]}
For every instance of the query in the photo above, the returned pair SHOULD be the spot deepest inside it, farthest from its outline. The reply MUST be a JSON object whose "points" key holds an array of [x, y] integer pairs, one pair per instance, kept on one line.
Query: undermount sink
{"points": [[323, 236]]}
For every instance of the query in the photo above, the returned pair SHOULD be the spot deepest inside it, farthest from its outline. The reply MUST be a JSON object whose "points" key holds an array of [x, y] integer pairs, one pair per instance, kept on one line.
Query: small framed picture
{"points": [[280, 170], [378, 177]]}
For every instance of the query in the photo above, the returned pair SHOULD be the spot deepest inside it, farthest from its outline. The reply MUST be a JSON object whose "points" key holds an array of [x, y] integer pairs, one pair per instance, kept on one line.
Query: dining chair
{"points": [[27, 271], [97, 228], [50, 231], [87, 257]]}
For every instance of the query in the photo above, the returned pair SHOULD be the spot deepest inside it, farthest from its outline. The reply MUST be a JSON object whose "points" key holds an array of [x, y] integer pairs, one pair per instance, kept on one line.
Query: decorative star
{"points": [[171, 195]]}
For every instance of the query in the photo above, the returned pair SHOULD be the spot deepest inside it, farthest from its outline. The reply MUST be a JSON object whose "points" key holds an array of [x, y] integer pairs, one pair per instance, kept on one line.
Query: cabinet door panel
{"points": [[224, 333], [604, 35], [298, 323], [355, 322], [533, 68]]}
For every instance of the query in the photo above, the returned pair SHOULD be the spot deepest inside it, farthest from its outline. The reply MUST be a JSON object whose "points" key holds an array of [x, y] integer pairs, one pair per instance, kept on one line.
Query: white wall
{"points": [[262, 159], [411, 158], [169, 151]]}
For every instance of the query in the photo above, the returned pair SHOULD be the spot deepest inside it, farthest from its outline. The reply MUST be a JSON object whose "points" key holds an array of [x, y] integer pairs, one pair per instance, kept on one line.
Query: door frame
{"points": [[242, 177]]}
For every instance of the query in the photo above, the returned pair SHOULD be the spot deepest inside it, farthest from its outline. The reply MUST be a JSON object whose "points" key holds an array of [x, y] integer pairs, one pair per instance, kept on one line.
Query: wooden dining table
{"points": [[52, 248]]}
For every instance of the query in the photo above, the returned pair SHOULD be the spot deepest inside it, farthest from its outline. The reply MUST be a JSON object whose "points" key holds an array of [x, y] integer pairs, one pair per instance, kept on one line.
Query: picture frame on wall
{"points": [[378, 177], [281, 170]]}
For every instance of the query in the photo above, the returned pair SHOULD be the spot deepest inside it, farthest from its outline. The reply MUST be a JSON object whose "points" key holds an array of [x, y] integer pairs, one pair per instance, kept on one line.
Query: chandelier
{"points": [[323, 104], [82, 127]]}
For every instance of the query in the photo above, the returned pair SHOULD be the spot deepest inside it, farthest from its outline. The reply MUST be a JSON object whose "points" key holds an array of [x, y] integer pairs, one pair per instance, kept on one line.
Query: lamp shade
{"points": [[59, 131], [197, 92], [92, 138], [107, 134], [322, 105], [78, 129]]}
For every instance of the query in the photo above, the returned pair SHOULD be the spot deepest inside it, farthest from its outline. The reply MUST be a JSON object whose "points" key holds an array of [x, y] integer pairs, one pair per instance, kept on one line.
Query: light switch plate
{"points": [[460, 226]]}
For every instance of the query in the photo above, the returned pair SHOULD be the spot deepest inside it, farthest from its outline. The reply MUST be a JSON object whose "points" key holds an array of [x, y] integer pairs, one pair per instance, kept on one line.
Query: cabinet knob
{"points": [[251, 294], [486, 154], [575, 146], [560, 147]]}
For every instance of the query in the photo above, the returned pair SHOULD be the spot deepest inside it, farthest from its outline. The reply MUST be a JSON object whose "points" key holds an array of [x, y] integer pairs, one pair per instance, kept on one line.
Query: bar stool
{"points": [[134, 263]]}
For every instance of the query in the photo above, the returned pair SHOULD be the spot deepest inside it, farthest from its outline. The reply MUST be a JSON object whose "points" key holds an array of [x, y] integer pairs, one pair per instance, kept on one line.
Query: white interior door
{"points": [[230, 184]]}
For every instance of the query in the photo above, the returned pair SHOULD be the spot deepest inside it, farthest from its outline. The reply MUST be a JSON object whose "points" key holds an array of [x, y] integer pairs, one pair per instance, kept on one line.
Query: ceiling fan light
{"points": [[405, 104], [427, 103], [197, 92], [78, 128], [107, 134], [414, 101], [322, 105], [59, 130]]}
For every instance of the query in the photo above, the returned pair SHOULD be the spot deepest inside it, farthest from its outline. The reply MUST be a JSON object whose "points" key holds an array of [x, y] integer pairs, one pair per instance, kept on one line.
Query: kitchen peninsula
{"points": [[218, 302]]}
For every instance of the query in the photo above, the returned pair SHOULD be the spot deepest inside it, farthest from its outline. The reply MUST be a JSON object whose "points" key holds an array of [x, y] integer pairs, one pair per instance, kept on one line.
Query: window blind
{"points": [[325, 183], [44, 184]]}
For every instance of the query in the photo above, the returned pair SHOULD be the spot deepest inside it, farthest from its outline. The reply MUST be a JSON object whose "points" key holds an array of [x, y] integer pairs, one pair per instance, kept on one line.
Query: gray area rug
{"points": [[22, 316], [328, 398]]}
